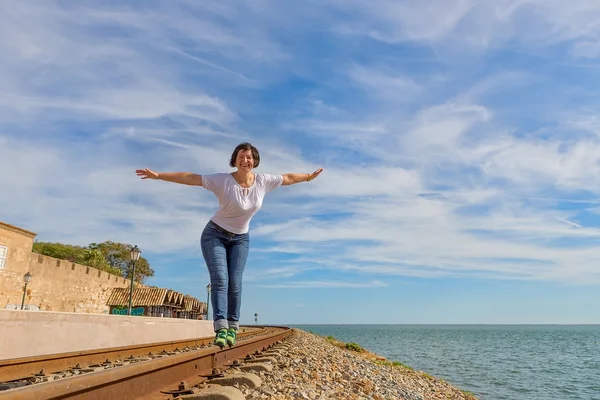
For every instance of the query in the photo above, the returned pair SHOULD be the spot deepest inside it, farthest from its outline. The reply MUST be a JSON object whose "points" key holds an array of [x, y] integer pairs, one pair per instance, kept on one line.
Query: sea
{"points": [[494, 362]]}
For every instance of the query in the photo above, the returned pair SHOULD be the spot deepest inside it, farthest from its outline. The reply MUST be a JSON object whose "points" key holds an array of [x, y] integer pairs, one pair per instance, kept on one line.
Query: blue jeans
{"points": [[225, 254]]}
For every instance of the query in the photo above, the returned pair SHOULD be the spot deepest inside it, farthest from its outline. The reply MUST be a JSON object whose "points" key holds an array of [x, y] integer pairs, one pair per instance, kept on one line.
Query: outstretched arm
{"points": [[290, 179], [185, 178]]}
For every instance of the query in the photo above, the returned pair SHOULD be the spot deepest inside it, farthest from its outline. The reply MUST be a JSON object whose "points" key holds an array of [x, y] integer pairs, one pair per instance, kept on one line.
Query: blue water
{"points": [[495, 362]]}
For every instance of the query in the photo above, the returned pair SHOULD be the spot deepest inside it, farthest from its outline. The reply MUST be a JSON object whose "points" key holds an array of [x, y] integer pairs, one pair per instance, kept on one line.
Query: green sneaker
{"points": [[231, 336], [221, 337]]}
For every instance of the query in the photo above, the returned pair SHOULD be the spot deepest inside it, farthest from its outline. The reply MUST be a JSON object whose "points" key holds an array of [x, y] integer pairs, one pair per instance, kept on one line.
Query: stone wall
{"points": [[56, 285]]}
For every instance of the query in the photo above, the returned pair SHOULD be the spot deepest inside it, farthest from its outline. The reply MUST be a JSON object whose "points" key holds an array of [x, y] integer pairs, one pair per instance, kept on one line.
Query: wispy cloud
{"points": [[392, 21], [473, 23], [386, 84]]}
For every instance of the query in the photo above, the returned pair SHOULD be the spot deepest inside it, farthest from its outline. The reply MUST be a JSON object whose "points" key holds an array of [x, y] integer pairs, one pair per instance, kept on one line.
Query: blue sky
{"points": [[460, 141]]}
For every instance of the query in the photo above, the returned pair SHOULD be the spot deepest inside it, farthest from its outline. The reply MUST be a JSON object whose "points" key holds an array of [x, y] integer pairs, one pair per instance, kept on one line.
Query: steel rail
{"points": [[146, 378], [24, 367]]}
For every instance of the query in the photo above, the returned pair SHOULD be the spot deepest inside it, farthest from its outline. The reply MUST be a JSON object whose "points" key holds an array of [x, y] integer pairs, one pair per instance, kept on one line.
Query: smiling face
{"points": [[244, 160], [244, 157]]}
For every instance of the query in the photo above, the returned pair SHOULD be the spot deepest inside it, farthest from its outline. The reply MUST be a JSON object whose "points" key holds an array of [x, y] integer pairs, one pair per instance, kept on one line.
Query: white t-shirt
{"points": [[237, 205]]}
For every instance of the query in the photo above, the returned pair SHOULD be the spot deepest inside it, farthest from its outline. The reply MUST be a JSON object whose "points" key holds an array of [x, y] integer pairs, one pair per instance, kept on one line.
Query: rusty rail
{"points": [[19, 368], [144, 379]]}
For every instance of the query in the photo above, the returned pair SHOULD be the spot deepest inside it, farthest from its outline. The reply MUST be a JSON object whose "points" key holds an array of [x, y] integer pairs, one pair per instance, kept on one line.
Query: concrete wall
{"points": [[56, 285], [30, 333]]}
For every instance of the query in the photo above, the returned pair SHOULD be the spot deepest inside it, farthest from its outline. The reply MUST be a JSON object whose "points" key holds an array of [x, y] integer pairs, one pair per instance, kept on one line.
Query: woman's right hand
{"points": [[146, 173]]}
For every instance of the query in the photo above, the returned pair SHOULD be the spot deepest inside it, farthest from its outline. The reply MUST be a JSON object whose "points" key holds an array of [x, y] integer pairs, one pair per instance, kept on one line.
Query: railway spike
{"points": [[182, 389], [234, 363], [213, 375]]}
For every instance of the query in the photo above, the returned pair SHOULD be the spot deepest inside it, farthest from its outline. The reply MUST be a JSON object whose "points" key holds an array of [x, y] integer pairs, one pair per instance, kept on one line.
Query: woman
{"points": [[225, 240]]}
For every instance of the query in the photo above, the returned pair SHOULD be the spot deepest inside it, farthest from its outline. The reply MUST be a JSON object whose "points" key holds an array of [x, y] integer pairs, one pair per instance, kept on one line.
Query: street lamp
{"points": [[207, 299], [26, 278], [135, 255], [255, 318]]}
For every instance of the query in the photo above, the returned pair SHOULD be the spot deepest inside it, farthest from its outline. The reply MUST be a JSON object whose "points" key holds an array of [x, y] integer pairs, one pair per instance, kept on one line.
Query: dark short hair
{"points": [[245, 146]]}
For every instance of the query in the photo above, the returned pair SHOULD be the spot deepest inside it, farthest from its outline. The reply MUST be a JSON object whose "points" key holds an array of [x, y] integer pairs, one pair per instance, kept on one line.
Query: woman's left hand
{"points": [[315, 174]]}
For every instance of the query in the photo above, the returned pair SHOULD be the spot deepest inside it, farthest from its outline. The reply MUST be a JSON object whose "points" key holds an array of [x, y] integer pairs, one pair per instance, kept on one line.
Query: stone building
{"points": [[15, 252], [57, 285], [15, 248]]}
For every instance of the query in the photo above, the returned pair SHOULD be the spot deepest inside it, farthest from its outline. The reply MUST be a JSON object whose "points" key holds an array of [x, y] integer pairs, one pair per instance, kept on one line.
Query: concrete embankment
{"points": [[307, 366], [33, 333]]}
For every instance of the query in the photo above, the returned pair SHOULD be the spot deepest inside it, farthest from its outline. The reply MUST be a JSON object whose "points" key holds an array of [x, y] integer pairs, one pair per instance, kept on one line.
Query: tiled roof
{"points": [[141, 297], [192, 304], [155, 297], [174, 298]]}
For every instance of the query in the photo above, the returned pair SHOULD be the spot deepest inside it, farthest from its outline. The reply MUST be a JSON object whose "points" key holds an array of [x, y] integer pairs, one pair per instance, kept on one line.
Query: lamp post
{"points": [[255, 318], [207, 299], [135, 255], [26, 278]]}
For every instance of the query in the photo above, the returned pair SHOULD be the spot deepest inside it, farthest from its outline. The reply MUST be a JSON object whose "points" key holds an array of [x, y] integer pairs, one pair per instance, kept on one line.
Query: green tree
{"points": [[118, 256], [108, 256], [61, 251], [95, 259]]}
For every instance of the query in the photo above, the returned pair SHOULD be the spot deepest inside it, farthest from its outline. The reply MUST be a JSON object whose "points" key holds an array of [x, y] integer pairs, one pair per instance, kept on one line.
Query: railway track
{"points": [[153, 371]]}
